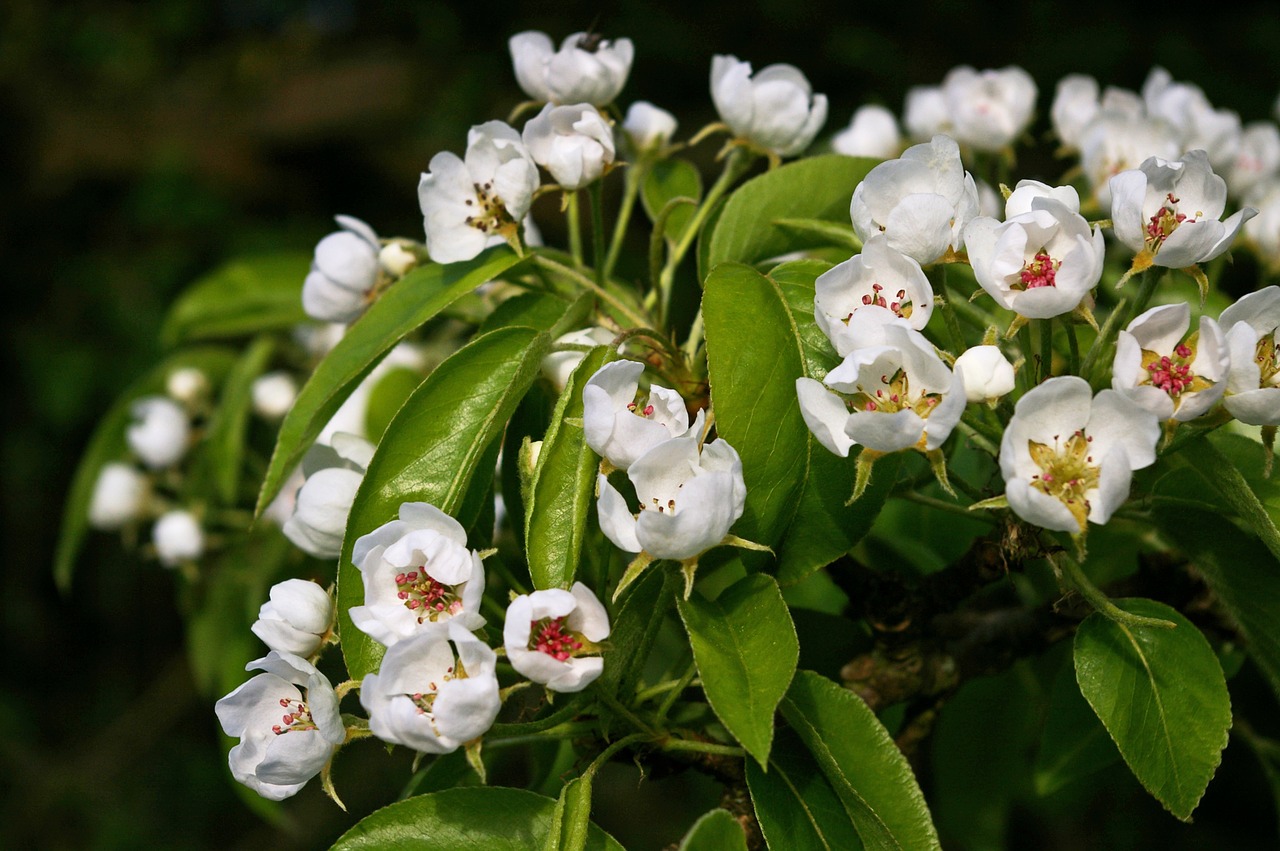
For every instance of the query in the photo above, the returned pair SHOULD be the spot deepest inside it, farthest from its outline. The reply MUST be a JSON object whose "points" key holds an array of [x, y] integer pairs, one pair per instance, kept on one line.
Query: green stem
{"points": [[1029, 376], [575, 228], [1073, 345], [1100, 352], [607, 754], [571, 730], [1046, 347], [597, 230], [646, 694], [635, 721], [537, 725], [674, 694], [631, 189], [1065, 565], [950, 321], [949, 507], [981, 435], [695, 337], [585, 282], [672, 744]]}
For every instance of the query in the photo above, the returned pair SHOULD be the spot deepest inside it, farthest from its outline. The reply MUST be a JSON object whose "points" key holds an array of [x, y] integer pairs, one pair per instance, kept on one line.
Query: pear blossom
{"points": [[1168, 212], [434, 692], [586, 68], [1263, 231], [273, 394], [920, 201], [177, 537], [1068, 456], [989, 109], [418, 576], [1257, 160], [471, 203], [296, 618], [872, 132], [188, 385], [160, 431], [1075, 104], [986, 372], [878, 277], [1252, 326], [120, 496], [287, 734], [343, 273], [689, 498], [925, 113], [1120, 139], [1040, 263], [892, 393], [774, 109], [332, 476], [619, 426], [1020, 200], [1188, 111], [574, 143], [1173, 377], [552, 637], [648, 127], [558, 366]]}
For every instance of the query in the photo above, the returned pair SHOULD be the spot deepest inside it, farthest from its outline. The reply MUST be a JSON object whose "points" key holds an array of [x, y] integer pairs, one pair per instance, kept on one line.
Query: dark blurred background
{"points": [[142, 144]]}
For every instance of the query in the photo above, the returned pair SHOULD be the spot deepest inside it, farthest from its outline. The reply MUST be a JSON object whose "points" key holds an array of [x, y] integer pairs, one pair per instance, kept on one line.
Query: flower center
{"points": [[550, 636], [635, 408], [1166, 220], [894, 396], [490, 215], [1040, 272], [430, 599], [297, 717], [1067, 472], [425, 700], [900, 306], [1267, 357], [1173, 375]]}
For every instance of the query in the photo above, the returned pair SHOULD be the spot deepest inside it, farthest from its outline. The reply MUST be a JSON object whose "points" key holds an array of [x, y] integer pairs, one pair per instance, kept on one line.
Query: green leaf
{"points": [[572, 817], [811, 188], [1161, 695], [562, 489], [746, 650], [832, 233], [222, 459], [797, 279], [667, 179], [1230, 484], [795, 805], [717, 830], [386, 397], [246, 296], [1074, 744], [635, 627], [108, 444], [409, 303], [753, 360], [444, 435], [479, 818], [532, 310], [859, 759]]}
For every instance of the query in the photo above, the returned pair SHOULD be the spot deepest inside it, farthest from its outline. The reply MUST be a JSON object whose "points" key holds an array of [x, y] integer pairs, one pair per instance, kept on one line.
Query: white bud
{"points": [[987, 373], [188, 385], [333, 475], [159, 432], [296, 618], [177, 538], [397, 259], [273, 395], [119, 496], [648, 127], [873, 132], [574, 143]]}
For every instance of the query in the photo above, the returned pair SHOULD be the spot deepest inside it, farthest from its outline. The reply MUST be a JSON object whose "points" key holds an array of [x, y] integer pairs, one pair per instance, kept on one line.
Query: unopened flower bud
{"points": [[188, 385], [159, 432], [273, 395], [178, 538], [333, 475], [296, 618], [574, 143], [987, 373], [343, 273], [119, 496], [873, 132], [649, 127], [397, 259]]}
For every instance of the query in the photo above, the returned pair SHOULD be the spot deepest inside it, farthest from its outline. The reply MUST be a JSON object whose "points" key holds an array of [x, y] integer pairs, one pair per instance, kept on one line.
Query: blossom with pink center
{"points": [[1258, 159], [1174, 376], [552, 637], [878, 277]]}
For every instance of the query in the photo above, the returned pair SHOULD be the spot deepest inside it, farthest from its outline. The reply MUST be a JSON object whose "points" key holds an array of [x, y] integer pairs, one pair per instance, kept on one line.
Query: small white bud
{"points": [[119, 496], [987, 373], [273, 395], [296, 618], [178, 538], [159, 432], [397, 259], [649, 127], [188, 385]]}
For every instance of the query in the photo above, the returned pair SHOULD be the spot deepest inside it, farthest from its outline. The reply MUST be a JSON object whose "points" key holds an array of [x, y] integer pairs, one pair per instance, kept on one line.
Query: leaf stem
{"points": [[575, 228], [597, 230], [674, 694], [673, 744], [631, 189], [1066, 566], [585, 282]]}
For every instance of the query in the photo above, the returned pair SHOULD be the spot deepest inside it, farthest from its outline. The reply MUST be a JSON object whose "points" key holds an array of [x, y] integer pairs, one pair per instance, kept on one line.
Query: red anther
{"points": [[284, 701], [400, 578], [648, 410], [866, 299]]}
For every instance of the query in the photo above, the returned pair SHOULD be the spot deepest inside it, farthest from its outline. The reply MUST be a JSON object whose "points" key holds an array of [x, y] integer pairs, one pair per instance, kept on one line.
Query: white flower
{"points": [[418, 575], [1263, 231], [925, 113], [160, 431], [1172, 377], [1257, 160], [872, 132], [1169, 212], [986, 372], [332, 477], [989, 109], [1020, 200], [619, 426], [1068, 456], [558, 366], [1189, 112], [1075, 104], [429, 698], [586, 68], [343, 273], [574, 143], [1252, 326], [286, 736], [470, 203], [188, 385], [775, 109], [120, 496], [648, 127], [1039, 264], [1120, 139], [878, 277], [551, 636], [296, 618], [273, 394], [178, 538], [921, 201], [900, 395], [688, 500]]}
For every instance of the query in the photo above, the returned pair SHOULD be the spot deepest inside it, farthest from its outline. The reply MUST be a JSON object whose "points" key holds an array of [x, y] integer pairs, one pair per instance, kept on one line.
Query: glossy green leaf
{"points": [[717, 830], [409, 303], [795, 805], [440, 448], [797, 280], [838, 234], [746, 650], [246, 296], [1073, 744], [1234, 490], [1161, 695], [811, 188], [635, 626], [753, 360], [222, 460], [532, 310], [667, 179], [480, 818], [108, 444], [857, 755], [388, 394], [562, 489]]}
